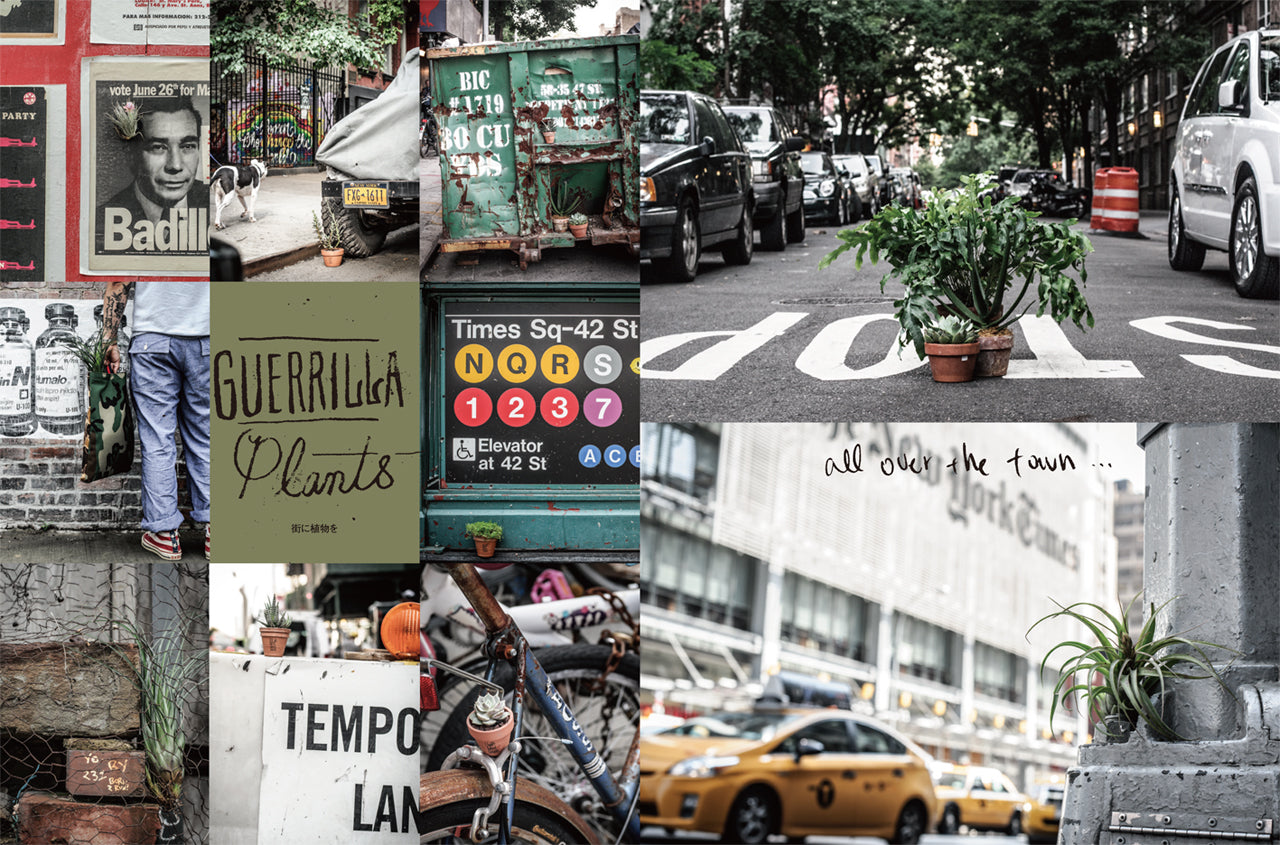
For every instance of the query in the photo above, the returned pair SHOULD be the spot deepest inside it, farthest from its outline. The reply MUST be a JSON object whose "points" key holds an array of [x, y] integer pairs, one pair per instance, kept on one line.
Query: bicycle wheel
{"points": [[447, 812], [610, 718]]}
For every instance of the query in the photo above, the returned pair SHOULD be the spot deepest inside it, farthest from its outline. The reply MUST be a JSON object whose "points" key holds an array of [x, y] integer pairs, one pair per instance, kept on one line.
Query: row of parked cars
{"points": [[800, 763], [711, 175]]}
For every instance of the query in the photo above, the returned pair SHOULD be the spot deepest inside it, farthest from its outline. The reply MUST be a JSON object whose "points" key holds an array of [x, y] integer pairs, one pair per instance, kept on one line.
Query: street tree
{"points": [[692, 30], [286, 30], [778, 54], [664, 67], [519, 20]]}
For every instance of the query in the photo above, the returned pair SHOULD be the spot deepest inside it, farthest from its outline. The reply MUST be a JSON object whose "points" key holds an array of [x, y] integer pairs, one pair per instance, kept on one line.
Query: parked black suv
{"points": [[695, 184], [779, 181]]}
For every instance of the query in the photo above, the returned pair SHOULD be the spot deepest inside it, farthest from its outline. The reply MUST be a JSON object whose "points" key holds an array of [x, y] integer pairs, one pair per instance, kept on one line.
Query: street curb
{"points": [[279, 260]]}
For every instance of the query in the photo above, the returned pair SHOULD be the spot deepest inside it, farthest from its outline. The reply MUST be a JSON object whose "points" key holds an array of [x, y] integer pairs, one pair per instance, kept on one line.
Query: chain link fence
{"points": [[104, 703]]}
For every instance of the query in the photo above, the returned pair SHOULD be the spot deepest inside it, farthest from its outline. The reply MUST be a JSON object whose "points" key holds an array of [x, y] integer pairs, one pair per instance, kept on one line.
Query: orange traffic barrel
{"points": [[1115, 200]]}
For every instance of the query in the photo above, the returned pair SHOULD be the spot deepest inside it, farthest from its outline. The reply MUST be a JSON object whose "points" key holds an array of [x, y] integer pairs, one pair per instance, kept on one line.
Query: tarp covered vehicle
{"points": [[372, 160]]}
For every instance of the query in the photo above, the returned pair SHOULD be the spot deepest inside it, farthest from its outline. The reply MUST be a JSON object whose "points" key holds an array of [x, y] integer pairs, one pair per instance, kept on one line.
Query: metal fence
{"points": [[104, 703], [278, 113]]}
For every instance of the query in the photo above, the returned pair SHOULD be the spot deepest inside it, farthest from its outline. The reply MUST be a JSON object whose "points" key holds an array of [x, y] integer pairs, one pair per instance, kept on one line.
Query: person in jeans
{"points": [[169, 378]]}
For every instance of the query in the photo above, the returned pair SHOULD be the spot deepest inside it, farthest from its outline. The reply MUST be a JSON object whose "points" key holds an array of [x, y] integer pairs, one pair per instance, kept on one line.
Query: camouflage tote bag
{"points": [[108, 427]]}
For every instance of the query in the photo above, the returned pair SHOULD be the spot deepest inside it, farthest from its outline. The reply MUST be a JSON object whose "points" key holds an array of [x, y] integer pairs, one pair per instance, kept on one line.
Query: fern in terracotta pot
{"points": [[486, 536]]}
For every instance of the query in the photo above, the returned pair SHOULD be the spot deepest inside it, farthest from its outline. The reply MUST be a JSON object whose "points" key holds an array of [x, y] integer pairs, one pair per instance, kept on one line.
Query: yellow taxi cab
{"points": [[788, 770], [978, 798], [1042, 813]]}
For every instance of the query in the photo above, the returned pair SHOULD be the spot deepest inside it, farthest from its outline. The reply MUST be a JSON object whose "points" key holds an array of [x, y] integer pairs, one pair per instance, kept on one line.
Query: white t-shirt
{"points": [[180, 309]]}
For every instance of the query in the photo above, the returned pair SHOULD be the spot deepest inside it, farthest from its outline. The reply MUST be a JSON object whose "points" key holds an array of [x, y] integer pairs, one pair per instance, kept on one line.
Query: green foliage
{"points": [[273, 616], [484, 530], [966, 253], [93, 351], [1129, 672], [664, 67], [951, 330], [695, 34], [330, 238], [488, 712], [519, 20], [578, 219], [284, 30], [563, 200], [993, 148]]}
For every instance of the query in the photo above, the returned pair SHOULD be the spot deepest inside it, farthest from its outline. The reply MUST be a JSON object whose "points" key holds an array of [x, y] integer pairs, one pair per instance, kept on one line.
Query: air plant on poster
{"points": [[92, 350], [1119, 675], [125, 117]]}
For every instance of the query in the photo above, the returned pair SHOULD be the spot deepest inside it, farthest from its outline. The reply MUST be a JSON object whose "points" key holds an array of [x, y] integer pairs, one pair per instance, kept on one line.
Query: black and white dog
{"points": [[237, 180]]}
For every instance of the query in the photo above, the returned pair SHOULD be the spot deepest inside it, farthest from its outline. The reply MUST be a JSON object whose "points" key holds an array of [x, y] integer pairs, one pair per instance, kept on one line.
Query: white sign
{"points": [[339, 753], [149, 22]]}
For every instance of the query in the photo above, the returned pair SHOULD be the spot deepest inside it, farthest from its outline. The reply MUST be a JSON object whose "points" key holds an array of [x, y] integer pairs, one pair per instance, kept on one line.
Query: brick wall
{"points": [[40, 475]]}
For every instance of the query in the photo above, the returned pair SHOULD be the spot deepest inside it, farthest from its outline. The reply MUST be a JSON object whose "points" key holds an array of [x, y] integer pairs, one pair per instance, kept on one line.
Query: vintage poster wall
{"points": [[33, 180], [149, 22], [144, 173], [42, 22]]}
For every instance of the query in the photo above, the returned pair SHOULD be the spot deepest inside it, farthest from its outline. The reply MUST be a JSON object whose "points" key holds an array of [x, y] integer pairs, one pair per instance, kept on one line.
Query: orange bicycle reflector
{"points": [[400, 631]]}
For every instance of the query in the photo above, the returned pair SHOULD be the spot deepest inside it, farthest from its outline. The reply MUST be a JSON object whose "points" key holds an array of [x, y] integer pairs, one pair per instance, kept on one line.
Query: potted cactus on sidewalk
{"points": [[275, 629]]}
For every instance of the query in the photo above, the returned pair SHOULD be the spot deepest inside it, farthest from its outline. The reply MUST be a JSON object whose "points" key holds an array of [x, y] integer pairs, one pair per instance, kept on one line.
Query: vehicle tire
{"points": [[534, 824], [773, 235], [1015, 824], [738, 251], [361, 236], [855, 211], [1255, 274], [911, 824], [950, 822], [795, 225], [549, 764], [686, 243], [752, 818], [1184, 253]]}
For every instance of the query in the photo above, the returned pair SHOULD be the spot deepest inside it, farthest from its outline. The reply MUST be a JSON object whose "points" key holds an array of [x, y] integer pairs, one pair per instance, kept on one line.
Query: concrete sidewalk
{"points": [[283, 233], [430, 212], [30, 545]]}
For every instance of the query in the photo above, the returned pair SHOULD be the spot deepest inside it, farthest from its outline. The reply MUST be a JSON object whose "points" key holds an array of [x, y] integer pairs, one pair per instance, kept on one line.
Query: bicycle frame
{"points": [[506, 642]]}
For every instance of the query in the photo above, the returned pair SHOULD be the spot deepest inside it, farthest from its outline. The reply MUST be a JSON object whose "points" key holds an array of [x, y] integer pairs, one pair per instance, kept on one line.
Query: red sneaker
{"points": [[165, 544]]}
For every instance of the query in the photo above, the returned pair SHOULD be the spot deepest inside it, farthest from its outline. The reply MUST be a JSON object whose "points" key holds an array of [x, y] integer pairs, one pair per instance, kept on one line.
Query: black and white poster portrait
{"points": [[33, 22], [144, 177], [33, 181]]}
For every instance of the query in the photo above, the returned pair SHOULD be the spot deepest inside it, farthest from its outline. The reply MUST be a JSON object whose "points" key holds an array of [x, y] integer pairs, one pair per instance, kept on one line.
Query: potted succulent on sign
{"points": [[578, 225], [952, 347], [486, 535], [330, 241], [490, 724], [548, 129], [562, 201], [1120, 677], [964, 254], [275, 629]]}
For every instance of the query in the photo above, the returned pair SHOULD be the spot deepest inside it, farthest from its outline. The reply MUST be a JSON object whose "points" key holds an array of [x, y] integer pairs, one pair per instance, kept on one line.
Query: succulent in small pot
{"points": [[548, 130], [952, 346], [274, 629], [578, 225], [486, 536], [490, 724]]}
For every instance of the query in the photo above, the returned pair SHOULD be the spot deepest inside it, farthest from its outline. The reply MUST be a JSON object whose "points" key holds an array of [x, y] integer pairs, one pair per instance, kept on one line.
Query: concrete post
{"points": [[1213, 551]]}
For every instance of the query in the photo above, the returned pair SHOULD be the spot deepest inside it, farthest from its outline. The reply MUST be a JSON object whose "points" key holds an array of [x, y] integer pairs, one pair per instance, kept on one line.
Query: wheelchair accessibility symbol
{"points": [[464, 448]]}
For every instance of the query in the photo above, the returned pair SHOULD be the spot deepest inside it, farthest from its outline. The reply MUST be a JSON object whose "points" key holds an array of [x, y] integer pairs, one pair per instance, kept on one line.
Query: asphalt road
{"points": [[780, 340]]}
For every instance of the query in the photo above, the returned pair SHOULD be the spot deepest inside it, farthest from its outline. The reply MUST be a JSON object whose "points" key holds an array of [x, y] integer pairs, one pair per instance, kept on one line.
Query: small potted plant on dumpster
{"points": [[548, 129], [490, 724], [275, 629], [989, 262], [1122, 679], [562, 202], [486, 536], [578, 225], [952, 346], [330, 241]]}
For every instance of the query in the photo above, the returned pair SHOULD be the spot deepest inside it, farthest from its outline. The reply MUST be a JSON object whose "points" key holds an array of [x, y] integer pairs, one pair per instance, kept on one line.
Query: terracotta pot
{"points": [[993, 354], [549, 137], [273, 641], [332, 257], [578, 231], [952, 361], [560, 224], [485, 546], [494, 740]]}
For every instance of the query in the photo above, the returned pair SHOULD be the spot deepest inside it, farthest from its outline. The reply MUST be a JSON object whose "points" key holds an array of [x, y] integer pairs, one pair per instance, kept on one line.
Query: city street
{"points": [[781, 340]]}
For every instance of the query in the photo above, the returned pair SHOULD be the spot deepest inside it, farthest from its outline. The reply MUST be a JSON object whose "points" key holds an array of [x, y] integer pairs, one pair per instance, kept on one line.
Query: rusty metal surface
{"points": [[495, 619], [493, 103], [439, 788]]}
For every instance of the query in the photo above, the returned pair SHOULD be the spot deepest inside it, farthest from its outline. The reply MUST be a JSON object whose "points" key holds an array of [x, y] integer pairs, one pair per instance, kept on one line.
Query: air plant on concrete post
{"points": [[165, 677]]}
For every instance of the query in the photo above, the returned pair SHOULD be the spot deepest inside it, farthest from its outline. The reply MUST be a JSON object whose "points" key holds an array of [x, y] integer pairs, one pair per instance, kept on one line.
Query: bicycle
{"points": [[461, 804]]}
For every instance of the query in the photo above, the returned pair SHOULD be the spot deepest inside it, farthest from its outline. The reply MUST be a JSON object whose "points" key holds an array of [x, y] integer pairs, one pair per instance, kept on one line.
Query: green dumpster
{"points": [[532, 124]]}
